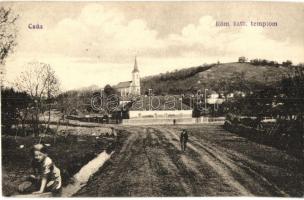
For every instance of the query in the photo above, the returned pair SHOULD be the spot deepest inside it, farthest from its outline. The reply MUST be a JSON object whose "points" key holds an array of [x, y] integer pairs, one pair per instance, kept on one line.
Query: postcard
{"points": [[152, 99]]}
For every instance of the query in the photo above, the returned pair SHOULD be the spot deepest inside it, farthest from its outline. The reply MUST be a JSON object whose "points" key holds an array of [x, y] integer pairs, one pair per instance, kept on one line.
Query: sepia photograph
{"points": [[152, 99]]}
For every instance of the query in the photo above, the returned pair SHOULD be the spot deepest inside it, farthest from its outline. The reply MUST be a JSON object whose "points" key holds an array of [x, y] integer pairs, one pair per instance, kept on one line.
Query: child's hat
{"points": [[38, 147]]}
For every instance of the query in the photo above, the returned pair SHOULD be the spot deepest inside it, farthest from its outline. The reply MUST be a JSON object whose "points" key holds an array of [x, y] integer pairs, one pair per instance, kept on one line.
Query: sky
{"points": [[95, 43]]}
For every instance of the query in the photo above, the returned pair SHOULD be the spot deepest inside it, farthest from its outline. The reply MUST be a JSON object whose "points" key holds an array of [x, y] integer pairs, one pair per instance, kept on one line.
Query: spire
{"points": [[135, 66]]}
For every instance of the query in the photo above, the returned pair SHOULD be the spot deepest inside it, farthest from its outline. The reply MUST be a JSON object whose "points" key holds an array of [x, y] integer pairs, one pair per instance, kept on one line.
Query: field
{"points": [[148, 162]]}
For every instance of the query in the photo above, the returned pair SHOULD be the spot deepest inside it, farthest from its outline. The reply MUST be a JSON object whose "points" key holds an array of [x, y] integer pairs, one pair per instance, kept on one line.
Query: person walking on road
{"points": [[113, 132], [183, 139]]}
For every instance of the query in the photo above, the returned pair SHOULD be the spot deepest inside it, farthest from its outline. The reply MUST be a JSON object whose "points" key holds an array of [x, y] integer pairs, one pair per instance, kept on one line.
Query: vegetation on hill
{"points": [[223, 78], [174, 80]]}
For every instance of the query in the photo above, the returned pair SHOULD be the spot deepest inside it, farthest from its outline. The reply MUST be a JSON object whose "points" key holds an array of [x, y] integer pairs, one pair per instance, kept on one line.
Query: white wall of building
{"points": [[160, 114]]}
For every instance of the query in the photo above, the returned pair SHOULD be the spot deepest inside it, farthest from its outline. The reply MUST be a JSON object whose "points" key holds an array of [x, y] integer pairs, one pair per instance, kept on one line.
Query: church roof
{"points": [[135, 66], [123, 84]]}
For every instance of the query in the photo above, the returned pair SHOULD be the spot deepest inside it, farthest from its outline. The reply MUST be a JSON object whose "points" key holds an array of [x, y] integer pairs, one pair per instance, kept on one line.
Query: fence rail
{"points": [[190, 120]]}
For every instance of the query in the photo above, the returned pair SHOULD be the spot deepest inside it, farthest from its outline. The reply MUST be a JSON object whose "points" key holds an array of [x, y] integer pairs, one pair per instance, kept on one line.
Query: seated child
{"points": [[46, 176]]}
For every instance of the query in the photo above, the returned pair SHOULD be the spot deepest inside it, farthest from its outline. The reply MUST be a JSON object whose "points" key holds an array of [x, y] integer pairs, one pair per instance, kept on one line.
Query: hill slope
{"points": [[219, 77]]}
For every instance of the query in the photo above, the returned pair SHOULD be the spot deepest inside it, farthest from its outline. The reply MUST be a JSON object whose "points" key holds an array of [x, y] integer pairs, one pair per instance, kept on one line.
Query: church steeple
{"points": [[135, 66], [135, 79]]}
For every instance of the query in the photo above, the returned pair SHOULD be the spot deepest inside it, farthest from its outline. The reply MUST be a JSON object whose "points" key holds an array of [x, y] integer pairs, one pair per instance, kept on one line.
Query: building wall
{"points": [[124, 91], [129, 90], [160, 113]]}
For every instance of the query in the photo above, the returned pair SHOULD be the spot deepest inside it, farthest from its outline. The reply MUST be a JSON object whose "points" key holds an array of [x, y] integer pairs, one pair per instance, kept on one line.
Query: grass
{"points": [[69, 153]]}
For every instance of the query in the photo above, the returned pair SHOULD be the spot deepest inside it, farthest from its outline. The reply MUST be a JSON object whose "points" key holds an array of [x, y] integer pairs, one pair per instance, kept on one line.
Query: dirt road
{"points": [[216, 163]]}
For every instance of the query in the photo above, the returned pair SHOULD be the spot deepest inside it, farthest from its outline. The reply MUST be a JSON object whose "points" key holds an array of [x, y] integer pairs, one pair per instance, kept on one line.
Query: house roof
{"points": [[123, 84]]}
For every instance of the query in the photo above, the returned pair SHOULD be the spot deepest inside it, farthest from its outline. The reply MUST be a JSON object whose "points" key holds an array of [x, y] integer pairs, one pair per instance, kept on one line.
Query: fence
{"points": [[160, 121], [282, 134]]}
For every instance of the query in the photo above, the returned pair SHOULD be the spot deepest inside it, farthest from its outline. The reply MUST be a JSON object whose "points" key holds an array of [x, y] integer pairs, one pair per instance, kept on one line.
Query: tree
{"points": [[40, 82], [52, 89], [292, 99], [111, 99], [287, 63], [14, 108], [8, 33], [108, 90]]}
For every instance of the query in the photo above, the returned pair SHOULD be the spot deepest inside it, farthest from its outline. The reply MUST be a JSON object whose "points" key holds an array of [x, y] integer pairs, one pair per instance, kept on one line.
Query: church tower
{"points": [[135, 80]]}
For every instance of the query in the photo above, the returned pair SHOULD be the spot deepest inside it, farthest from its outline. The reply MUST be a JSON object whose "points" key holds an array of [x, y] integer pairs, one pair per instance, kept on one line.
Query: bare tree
{"points": [[8, 33], [52, 89], [40, 82]]}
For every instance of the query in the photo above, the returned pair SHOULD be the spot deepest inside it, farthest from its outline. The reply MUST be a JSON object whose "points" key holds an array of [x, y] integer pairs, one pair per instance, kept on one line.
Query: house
{"points": [[214, 98], [128, 88], [242, 59]]}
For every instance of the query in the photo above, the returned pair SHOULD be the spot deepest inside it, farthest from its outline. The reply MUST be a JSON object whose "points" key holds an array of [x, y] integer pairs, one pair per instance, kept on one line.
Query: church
{"points": [[127, 88]]}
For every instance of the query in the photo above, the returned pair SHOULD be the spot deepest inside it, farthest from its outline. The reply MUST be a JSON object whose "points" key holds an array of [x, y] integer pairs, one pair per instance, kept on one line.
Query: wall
{"points": [[186, 120], [160, 114]]}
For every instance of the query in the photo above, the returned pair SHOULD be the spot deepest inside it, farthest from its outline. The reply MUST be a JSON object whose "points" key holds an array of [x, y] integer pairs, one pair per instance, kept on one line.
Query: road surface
{"points": [[216, 163]]}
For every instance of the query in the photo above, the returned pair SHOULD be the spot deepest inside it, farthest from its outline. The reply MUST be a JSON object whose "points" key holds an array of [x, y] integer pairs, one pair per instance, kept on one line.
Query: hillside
{"points": [[223, 78], [218, 77]]}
